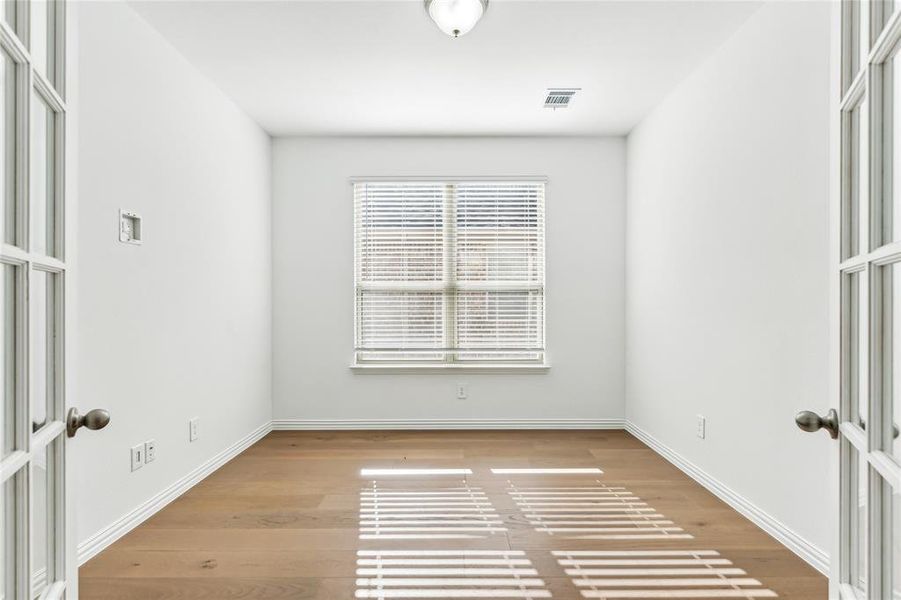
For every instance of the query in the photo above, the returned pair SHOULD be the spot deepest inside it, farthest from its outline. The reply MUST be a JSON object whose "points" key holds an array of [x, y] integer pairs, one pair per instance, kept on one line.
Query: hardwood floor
{"points": [[292, 517]]}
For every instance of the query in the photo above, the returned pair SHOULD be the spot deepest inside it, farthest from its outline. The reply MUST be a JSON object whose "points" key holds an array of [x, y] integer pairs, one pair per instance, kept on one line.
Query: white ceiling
{"points": [[379, 67]]}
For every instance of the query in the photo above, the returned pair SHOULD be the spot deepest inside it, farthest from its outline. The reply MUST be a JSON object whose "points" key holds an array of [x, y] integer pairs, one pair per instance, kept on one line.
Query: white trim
{"points": [[846, 592], [816, 557], [395, 368], [887, 467], [367, 424], [100, 540], [453, 179]]}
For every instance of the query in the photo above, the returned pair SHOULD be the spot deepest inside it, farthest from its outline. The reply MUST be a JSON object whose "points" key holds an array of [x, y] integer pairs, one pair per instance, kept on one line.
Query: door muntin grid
{"points": [[32, 462], [870, 273]]}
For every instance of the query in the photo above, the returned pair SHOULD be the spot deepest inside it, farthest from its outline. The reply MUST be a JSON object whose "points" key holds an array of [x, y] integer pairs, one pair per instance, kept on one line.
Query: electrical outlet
{"points": [[461, 391], [194, 429], [149, 451], [137, 457], [130, 229], [702, 426]]}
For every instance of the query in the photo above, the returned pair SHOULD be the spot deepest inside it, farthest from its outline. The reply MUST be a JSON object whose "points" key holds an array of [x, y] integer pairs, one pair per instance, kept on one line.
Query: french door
{"points": [[869, 272], [33, 548]]}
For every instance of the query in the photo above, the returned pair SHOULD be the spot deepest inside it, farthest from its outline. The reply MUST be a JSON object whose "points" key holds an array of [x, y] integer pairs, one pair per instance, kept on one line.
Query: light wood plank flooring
{"points": [[292, 517]]}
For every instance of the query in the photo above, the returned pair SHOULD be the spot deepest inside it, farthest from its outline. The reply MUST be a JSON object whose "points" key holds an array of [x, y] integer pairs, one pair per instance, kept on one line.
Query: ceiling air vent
{"points": [[559, 97]]}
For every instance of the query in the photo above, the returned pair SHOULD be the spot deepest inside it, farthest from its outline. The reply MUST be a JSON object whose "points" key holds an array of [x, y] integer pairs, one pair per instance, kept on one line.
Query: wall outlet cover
{"points": [[149, 451], [137, 457], [194, 429]]}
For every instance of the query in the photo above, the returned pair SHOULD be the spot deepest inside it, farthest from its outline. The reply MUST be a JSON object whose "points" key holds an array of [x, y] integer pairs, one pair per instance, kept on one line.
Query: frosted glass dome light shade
{"points": [[456, 17]]}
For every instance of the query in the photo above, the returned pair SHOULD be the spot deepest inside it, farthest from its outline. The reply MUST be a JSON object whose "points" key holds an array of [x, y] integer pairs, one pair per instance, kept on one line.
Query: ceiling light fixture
{"points": [[456, 17]]}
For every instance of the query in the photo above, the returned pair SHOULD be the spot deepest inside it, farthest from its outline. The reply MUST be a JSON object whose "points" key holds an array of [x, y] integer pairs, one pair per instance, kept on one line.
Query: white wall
{"points": [[727, 265], [179, 327], [313, 280]]}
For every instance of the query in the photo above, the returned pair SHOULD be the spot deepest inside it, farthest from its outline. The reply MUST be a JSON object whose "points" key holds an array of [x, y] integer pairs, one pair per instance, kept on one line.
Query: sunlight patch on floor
{"points": [[616, 574], [538, 471], [447, 574], [592, 512], [453, 512], [414, 472], [582, 508]]}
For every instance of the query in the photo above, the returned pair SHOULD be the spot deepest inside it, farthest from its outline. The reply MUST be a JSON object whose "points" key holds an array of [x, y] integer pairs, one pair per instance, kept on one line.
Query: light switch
{"points": [[130, 229], [137, 457]]}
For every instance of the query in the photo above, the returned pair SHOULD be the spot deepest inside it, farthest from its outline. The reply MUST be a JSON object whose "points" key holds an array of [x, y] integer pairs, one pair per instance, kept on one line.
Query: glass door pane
{"points": [[860, 177], [892, 541], [855, 344], [8, 539], [852, 41], [43, 498], [891, 199], [43, 348], [882, 8], [8, 13], [41, 24], [858, 501], [42, 196], [862, 32], [8, 335], [8, 145], [891, 376], [854, 182]]}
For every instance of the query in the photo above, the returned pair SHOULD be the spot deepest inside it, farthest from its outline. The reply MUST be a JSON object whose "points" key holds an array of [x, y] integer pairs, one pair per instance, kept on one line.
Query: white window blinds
{"points": [[449, 271]]}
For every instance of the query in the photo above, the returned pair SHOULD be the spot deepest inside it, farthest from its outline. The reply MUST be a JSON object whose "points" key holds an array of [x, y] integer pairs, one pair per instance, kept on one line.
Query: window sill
{"points": [[455, 368]]}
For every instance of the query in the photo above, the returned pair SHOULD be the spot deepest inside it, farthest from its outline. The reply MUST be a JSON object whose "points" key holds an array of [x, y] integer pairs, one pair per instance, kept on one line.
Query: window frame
{"points": [[538, 365]]}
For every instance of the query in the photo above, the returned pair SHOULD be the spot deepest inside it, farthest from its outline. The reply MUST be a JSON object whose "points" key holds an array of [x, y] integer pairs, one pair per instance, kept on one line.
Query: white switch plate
{"points": [[130, 227], [137, 457], [149, 451], [702, 426], [461, 391], [194, 429]]}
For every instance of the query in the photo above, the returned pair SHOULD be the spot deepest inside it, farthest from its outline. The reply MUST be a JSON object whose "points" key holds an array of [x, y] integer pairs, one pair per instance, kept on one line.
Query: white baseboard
{"points": [[426, 424], [99, 541], [816, 557]]}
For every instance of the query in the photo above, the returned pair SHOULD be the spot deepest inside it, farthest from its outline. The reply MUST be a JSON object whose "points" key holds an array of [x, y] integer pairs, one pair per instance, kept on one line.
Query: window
{"points": [[449, 272]]}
